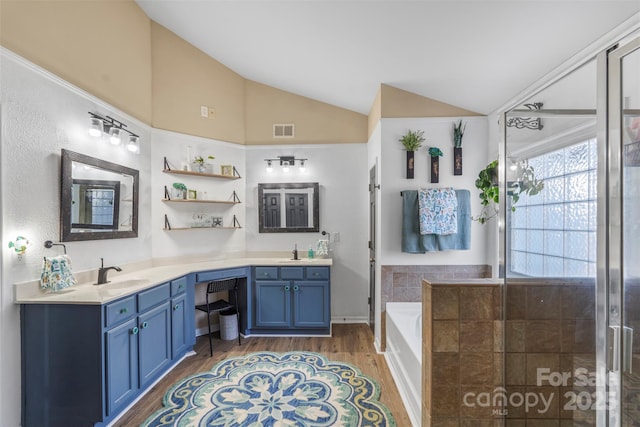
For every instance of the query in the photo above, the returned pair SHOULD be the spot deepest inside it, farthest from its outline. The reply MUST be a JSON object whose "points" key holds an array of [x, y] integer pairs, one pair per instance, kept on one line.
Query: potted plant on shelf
{"points": [[180, 190], [412, 141], [458, 133], [435, 154], [199, 161], [487, 182]]}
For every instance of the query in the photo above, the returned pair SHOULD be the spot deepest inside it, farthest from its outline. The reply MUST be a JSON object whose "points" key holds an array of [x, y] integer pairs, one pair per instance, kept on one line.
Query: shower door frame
{"points": [[609, 235], [610, 340]]}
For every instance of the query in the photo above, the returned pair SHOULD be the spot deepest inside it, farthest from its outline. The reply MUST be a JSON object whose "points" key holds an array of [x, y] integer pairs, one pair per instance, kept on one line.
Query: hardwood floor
{"points": [[350, 343]]}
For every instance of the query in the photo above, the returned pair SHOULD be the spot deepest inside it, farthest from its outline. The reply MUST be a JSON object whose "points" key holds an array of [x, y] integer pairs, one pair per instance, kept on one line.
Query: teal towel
{"points": [[415, 243], [412, 241], [462, 239]]}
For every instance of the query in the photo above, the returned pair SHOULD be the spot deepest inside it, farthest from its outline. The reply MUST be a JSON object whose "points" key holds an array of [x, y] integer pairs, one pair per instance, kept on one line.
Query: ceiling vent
{"points": [[283, 130]]}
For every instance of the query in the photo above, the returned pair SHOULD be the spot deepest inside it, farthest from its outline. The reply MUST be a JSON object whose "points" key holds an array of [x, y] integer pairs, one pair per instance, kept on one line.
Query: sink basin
{"points": [[293, 261], [124, 284]]}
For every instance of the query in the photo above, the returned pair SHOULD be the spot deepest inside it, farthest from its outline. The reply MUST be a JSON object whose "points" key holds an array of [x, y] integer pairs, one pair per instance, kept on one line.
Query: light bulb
{"points": [[96, 127], [133, 144], [302, 166], [115, 136], [285, 167], [269, 167]]}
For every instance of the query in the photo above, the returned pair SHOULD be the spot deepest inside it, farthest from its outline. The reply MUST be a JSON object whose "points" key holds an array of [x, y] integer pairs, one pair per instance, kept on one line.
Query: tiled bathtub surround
{"points": [[462, 351], [403, 283]]}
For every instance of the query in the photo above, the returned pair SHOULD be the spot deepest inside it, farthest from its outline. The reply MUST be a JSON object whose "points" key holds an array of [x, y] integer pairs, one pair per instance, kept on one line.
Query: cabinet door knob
{"points": [[144, 325], [180, 287], [123, 310], [134, 330], [286, 287], [295, 287], [175, 307]]}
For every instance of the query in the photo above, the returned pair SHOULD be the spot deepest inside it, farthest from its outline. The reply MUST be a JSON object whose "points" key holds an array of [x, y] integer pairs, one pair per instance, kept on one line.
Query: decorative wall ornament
{"points": [[527, 122]]}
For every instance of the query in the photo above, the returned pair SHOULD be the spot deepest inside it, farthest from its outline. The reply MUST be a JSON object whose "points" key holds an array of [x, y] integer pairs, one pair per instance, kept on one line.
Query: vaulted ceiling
{"points": [[473, 54]]}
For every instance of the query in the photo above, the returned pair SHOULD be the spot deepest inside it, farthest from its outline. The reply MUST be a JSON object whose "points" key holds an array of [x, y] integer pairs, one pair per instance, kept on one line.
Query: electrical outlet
{"points": [[212, 113], [204, 111], [335, 237]]}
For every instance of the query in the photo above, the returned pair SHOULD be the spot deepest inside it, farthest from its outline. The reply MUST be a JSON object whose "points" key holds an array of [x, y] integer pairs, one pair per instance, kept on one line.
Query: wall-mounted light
{"points": [[20, 245], [286, 162], [116, 130]]}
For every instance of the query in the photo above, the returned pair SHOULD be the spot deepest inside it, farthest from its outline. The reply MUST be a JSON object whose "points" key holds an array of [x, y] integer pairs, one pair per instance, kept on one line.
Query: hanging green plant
{"points": [[487, 183], [412, 141]]}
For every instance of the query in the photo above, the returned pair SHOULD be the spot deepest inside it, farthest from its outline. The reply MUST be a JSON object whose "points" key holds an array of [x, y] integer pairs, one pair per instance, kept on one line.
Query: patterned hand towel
{"points": [[438, 208], [56, 273]]}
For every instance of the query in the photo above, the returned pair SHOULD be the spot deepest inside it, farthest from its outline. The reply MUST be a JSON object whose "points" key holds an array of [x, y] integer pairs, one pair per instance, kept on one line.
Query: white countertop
{"points": [[126, 283]]}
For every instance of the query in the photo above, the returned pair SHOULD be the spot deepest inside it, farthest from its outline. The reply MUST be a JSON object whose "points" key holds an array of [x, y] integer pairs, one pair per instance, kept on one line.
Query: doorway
{"points": [[372, 246], [571, 270]]}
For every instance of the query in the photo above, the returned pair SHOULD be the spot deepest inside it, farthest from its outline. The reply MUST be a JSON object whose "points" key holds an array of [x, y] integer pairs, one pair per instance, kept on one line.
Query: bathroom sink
{"points": [[294, 261]]}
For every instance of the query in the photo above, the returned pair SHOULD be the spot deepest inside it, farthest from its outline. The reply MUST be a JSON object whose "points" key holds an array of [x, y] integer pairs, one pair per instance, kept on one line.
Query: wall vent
{"points": [[283, 130]]}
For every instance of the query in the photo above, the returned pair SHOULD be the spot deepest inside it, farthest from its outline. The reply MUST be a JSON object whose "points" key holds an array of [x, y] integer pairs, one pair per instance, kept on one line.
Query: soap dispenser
{"points": [[310, 253]]}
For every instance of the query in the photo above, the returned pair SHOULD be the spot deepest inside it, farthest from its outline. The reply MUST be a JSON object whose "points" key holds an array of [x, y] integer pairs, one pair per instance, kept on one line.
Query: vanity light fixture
{"points": [[100, 125], [133, 145], [286, 162]]}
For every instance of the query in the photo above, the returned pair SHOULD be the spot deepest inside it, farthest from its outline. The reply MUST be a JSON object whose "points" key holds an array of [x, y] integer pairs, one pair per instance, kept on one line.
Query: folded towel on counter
{"points": [[438, 211], [57, 273], [414, 242]]}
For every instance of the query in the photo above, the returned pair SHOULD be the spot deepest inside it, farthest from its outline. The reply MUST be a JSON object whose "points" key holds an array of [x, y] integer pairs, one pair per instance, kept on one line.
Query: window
{"points": [[553, 234]]}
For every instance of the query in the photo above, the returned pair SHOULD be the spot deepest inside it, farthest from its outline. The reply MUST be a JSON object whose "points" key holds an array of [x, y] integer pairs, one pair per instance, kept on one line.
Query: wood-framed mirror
{"points": [[289, 207], [99, 199]]}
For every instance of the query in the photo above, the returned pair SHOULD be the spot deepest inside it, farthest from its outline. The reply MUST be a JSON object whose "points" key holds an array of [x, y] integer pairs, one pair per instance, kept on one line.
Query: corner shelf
{"points": [[226, 202], [167, 169], [167, 226]]}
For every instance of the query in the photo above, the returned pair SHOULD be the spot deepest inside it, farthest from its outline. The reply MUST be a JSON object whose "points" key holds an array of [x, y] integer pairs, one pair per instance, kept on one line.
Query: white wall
{"points": [[341, 170], [438, 133], [174, 147], [41, 115]]}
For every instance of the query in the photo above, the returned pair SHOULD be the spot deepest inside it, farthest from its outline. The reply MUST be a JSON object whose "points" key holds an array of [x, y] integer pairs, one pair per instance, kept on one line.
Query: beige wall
{"points": [[111, 49], [400, 103], [376, 112], [100, 46], [185, 78], [315, 122]]}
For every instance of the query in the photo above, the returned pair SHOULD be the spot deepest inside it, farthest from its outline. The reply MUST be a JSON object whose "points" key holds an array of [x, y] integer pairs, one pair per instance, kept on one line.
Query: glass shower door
{"points": [[624, 252]]}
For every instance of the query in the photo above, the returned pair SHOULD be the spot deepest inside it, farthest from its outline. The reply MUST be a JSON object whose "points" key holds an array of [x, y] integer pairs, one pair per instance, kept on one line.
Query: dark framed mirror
{"points": [[289, 207], [99, 199]]}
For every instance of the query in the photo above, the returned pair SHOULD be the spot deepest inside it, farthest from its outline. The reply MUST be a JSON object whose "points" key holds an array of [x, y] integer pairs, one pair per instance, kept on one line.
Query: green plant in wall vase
{"points": [[435, 154], [487, 182], [458, 133], [412, 141]]}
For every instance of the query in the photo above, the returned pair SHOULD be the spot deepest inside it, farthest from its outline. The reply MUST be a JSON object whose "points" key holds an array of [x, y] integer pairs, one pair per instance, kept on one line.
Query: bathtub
{"points": [[404, 354]]}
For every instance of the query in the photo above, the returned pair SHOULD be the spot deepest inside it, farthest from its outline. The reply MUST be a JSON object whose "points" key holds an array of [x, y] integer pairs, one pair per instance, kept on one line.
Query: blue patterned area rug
{"points": [[274, 389]]}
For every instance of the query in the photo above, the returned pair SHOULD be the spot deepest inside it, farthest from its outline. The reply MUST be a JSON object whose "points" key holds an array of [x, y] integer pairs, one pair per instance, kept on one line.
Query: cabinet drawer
{"points": [[153, 296], [120, 311], [266, 273], [317, 273], [220, 274], [287, 273], [178, 286]]}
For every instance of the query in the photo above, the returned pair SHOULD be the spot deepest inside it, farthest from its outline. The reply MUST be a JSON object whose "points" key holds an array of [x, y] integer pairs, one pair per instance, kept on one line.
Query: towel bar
{"points": [[49, 244]]}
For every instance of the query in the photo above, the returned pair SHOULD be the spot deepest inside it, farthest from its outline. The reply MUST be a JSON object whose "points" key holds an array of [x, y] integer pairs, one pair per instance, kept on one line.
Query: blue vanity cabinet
{"points": [[292, 300], [273, 304], [180, 313], [121, 344], [83, 364]]}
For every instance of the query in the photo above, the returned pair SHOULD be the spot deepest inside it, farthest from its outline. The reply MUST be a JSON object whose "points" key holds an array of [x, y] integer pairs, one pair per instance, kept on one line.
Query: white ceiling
{"points": [[473, 54]]}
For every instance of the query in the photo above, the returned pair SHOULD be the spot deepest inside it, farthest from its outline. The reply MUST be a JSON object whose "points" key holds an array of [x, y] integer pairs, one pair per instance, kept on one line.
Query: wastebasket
{"points": [[228, 324]]}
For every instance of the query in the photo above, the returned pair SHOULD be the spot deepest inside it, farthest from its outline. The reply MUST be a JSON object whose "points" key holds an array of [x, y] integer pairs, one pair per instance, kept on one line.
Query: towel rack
{"points": [[49, 244]]}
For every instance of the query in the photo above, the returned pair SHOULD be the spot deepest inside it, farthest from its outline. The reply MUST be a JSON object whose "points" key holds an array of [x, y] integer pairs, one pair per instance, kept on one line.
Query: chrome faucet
{"points": [[102, 272], [295, 252]]}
